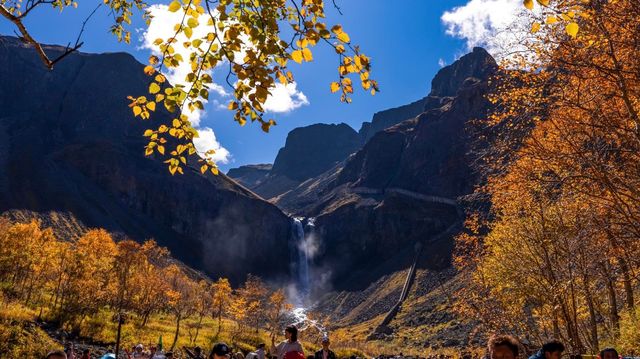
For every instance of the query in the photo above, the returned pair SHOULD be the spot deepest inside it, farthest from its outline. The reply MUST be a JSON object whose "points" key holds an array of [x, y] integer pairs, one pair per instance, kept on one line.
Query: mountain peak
{"points": [[477, 64]]}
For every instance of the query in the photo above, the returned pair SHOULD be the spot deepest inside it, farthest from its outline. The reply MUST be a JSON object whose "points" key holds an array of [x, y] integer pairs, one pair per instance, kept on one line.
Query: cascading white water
{"points": [[303, 246], [303, 258], [299, 261]]}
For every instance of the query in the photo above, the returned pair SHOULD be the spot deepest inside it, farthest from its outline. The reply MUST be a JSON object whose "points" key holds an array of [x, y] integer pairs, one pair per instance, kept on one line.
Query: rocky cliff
{"points": [[250, 176], [70, 145], [308, 152], [405, 185]]}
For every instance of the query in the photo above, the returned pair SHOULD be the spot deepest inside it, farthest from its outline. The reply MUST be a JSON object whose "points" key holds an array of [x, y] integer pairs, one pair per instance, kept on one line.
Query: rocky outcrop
{"points": [[311, 150], [71, 145], [404, 186], [250, 176], [308, 152], [387, 118]]}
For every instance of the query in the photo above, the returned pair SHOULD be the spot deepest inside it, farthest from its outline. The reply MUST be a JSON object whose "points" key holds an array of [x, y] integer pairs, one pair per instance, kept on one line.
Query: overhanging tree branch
{"points": [[17, 20]]}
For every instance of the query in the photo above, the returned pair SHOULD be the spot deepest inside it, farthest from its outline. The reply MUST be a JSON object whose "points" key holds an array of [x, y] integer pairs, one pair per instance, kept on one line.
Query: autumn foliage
{"points": [[71, 282], [255, 43], [558, 255]]}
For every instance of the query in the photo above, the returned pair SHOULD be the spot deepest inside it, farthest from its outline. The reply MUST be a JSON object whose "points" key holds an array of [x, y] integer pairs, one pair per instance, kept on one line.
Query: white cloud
{"points": [[285, 98], [442, 62], [207, 141], [500, 26], [161, 27]]}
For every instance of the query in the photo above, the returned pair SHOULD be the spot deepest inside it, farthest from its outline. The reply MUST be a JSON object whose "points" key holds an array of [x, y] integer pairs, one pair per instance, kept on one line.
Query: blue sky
{"points": [[407, 42]]}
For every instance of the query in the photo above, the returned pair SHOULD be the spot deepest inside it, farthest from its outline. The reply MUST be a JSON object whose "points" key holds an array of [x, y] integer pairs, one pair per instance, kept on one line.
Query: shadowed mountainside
{"points": [[70, 145]]}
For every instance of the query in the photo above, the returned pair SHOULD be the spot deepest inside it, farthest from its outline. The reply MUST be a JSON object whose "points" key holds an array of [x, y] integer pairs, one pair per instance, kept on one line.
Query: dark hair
{"points": [[504, 340], [294, 332], [86, 351], [612, 350], [553, 346], [56, 353]]}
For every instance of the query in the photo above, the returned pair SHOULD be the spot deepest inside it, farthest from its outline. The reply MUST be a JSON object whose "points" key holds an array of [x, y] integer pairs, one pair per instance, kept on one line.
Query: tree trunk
{"points": [[118, 335], [195, 338], [613, 302], [175, 338], [628, 287], [593, 321], [219, 323], [145, 318]]}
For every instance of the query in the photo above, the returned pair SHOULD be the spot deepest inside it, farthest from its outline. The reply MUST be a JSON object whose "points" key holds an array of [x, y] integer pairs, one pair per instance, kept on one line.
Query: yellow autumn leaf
{"points": [[137, 110], [161, 150], [297, 56], [552, 20], [535, 27], [282, 78], [335, 86], [154, 88], [543, 2], [306, 54], [204, 168], [528, 4], [148, 133], [343, 37], [174, 6], [572, 29], [151, 106], [149, 70]]}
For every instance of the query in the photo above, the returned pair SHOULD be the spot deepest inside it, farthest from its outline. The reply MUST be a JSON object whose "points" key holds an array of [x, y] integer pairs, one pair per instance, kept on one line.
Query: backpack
{"points": [[294, 355]]}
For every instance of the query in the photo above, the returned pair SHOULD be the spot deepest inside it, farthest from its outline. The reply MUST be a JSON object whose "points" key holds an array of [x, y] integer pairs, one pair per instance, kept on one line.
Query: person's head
{"points": [[261, 346], [168, 355], [552, 349], [138, 348], [197, 350], [325, 343], [57, 354], [291, 333], [220, 351], [609, 353], [503, 347], [86, 352]]}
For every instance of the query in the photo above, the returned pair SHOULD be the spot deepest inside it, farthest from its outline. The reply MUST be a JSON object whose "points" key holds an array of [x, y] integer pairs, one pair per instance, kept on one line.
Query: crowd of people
{"points": [[498, 347]]}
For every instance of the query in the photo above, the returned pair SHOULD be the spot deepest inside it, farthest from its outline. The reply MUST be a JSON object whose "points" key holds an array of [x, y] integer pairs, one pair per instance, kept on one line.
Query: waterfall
{"points": [[302, 246], [300, 259]]}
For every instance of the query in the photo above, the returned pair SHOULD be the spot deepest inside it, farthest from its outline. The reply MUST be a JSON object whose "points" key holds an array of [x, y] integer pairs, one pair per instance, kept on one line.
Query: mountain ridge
{"points": [[73, 146]]}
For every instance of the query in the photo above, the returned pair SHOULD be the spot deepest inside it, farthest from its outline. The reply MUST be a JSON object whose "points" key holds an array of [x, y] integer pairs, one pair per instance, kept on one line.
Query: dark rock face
{"points": [[311, 150], [477, 64], [403, 187], [69, 144], [308, 152], [250, 176], [387, 118]]}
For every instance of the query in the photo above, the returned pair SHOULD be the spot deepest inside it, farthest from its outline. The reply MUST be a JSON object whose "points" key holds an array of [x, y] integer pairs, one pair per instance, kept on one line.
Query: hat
{"points": [[221, 349], [325, 339], [262, 345], [139, 346]]}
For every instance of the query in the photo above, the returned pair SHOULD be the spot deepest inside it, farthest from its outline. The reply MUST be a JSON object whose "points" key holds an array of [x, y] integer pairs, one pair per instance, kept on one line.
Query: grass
{"points": [[21, 337]]}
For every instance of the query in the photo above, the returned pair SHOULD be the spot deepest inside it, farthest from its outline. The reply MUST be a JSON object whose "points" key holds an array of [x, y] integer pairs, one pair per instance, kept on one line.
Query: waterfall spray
{"points": [[302, 246]]}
